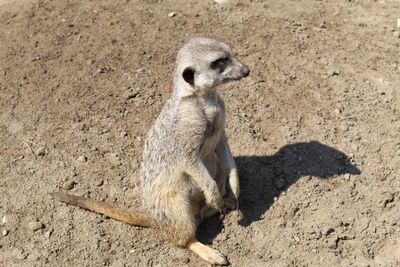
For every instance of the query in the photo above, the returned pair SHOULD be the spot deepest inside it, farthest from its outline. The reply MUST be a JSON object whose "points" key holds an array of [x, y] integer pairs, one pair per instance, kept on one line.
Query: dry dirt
{"points": [[314, 129]]}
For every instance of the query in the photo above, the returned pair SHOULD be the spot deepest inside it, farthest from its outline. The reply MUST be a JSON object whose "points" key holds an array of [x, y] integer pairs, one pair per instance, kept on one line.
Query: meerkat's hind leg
{"points": [[180, 229], [206, 253]]}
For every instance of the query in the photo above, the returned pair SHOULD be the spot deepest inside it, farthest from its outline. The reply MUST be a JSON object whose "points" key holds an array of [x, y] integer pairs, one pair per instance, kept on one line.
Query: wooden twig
{"points": [[25, 143]]}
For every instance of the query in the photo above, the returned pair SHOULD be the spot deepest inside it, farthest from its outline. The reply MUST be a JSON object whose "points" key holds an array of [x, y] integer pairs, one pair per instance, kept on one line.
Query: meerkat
{"points": [[187, 170]]}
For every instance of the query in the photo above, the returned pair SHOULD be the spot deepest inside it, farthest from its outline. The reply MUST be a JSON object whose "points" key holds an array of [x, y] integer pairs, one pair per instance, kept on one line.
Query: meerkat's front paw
{"points": [[231, 203], [215, 201]]}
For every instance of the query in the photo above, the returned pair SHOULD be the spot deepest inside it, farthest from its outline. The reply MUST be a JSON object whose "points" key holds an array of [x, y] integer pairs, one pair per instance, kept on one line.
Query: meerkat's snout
{"points": [[242, 70], [235, 70]]}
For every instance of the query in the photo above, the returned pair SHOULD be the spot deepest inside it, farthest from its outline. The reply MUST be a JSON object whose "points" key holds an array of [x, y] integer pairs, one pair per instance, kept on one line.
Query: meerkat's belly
{"points": [[209, 146], [212, 161], [213, 131]]}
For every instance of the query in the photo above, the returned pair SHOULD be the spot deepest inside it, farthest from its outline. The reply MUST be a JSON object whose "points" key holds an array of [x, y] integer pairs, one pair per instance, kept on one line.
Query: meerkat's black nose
{"points": [[245, 71]]}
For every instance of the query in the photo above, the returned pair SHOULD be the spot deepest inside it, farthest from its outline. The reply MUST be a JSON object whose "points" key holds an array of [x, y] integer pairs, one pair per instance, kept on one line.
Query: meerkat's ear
{"points": [[188, 75]]}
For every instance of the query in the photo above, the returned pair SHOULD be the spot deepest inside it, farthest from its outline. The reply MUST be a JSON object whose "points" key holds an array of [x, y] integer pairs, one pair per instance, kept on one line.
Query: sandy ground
{"points": [[314, 129]]}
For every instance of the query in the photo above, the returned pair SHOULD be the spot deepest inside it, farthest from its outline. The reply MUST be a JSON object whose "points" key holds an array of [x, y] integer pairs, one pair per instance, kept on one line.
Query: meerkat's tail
{"points": [[132, 218]]}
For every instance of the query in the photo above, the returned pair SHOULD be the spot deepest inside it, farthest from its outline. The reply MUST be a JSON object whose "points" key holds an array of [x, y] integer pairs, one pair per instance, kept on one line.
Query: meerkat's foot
{"points": [[215, 200], [231, 203], [206, 253], [207, 212]]}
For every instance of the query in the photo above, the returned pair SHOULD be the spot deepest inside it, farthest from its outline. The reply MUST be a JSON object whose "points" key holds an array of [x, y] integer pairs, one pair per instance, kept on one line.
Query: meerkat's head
{"points": [[204, 63]]}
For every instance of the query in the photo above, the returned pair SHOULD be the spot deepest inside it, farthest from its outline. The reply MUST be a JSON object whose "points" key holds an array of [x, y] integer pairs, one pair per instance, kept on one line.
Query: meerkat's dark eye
{"points": [[220, 64]]}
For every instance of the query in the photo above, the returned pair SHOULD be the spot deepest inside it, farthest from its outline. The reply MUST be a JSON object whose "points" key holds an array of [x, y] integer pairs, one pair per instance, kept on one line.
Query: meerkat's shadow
{"points": [[260, 176]]}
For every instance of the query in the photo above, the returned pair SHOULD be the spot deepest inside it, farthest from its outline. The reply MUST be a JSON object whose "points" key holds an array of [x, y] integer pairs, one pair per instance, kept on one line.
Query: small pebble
{"points": [[47, 234], [358, 162], [4, 232], [185, 260], [171, 14], [4, 219], [398, 23], [354, 147], [100, 183], [115, 159], [279, 183], [328, 230], [396, 34], [34, 226], [332, 71], [131, 93], [21, 254], [68, 185], [82, 159], [41, 151]]}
